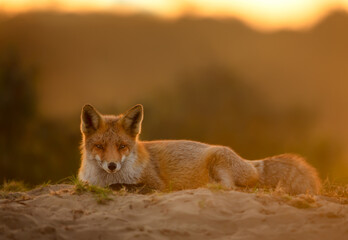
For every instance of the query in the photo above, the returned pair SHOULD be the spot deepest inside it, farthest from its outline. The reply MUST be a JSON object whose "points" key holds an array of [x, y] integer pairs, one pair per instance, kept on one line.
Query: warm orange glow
{"points": [[261, 14]]}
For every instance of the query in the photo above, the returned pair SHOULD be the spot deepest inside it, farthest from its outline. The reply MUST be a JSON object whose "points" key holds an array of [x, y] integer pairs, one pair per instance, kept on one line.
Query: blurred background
{"points": [[261, 76]]}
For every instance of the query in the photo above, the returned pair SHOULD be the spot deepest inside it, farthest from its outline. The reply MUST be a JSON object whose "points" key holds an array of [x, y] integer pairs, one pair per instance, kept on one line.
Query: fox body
{"points": [[112, 153]]}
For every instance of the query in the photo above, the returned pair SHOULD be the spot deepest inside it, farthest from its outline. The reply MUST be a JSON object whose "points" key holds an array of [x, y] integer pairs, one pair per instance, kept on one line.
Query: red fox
{"points": [[113, 154]]}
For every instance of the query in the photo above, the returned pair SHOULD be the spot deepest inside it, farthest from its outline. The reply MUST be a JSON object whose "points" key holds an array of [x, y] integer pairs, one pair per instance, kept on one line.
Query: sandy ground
{"points": [[54, 212]]}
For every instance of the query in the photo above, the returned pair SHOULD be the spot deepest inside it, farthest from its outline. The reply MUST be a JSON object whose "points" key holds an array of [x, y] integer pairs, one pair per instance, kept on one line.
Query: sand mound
{"points": [[54, 212]]}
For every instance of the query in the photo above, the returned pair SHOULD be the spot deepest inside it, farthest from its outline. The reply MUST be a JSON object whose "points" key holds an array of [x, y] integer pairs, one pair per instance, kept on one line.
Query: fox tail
{"points": [[288, 171]]}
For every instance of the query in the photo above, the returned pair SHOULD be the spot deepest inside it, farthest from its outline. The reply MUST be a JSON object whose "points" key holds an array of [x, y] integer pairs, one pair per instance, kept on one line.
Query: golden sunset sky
{"points": [[260, 14]]}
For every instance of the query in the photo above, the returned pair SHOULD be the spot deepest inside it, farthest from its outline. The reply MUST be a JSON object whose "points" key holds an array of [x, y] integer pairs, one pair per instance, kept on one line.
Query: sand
{"points": [[55, 212]]}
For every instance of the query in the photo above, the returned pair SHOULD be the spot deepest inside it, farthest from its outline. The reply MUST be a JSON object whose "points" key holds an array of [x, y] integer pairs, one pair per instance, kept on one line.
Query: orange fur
{"points": [[112, 141]]}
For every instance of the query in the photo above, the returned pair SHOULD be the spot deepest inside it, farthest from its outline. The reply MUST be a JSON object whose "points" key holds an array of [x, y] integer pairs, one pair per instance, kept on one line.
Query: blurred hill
{"points": [[107, 58], [116, 61]]}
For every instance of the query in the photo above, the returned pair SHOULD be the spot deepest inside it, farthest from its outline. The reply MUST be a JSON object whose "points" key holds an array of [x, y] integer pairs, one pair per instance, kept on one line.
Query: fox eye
{"points": [[121, 146], [99, 146]]}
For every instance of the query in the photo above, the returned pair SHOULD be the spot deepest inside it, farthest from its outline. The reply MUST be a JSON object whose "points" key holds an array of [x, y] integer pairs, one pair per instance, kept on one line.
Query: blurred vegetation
{"points": [[32, 149], [214, 106]]}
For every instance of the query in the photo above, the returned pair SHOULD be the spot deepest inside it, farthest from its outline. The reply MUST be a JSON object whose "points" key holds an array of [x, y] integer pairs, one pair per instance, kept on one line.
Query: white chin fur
{"points": [[127, 172], [118, 167]]}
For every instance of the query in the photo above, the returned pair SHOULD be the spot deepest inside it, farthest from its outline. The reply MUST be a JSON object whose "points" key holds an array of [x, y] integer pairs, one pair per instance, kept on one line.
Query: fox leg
{"points": [[229, 169], [224, 177], [151, 179]]}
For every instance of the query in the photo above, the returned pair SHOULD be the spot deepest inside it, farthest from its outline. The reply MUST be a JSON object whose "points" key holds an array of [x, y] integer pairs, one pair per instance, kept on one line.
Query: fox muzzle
{"points": [[114, 166]]}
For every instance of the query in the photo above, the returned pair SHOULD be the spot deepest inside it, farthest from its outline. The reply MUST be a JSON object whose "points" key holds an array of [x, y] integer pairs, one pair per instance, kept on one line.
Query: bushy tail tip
{"points": [[288, 171]]}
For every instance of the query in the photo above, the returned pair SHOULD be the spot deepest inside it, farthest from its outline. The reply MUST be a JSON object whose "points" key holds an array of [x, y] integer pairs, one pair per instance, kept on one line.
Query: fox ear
{"points": [[132, 119], [90, 119]]}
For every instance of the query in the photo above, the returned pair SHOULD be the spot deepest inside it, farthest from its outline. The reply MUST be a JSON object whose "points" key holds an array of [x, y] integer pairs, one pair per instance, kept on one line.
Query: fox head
{"points": [[110, 140]]}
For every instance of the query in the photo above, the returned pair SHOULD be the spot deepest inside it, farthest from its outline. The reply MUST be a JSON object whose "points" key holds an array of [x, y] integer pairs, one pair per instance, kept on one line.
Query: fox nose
{"points": [[112, 166]]}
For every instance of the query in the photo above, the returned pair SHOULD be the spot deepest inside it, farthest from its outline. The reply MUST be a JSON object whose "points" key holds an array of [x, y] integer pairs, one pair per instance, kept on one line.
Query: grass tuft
{"points": [[44, 184], [337, 191], [13, 186], [102, 195]]}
